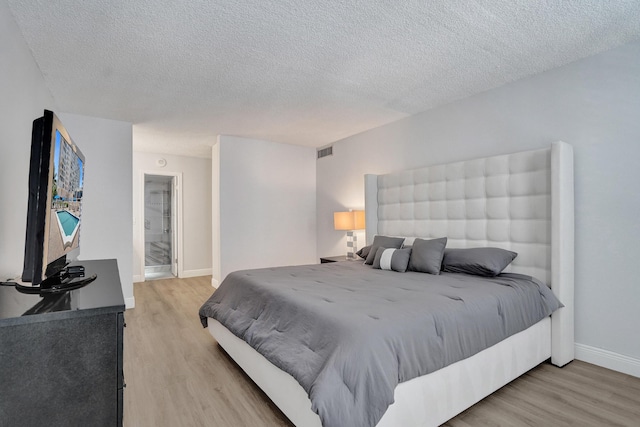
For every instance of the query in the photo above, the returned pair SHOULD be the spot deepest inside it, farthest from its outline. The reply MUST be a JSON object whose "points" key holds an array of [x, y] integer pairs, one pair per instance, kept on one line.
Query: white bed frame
{"points": [[522, 202]]}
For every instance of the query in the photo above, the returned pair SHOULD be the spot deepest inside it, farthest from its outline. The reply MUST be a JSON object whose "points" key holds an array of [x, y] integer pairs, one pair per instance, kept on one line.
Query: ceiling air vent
{"points": [[324, 152]]}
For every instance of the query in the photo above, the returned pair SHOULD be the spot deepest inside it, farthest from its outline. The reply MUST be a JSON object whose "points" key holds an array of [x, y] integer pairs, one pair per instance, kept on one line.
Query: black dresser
{"points": [[61, 356]]}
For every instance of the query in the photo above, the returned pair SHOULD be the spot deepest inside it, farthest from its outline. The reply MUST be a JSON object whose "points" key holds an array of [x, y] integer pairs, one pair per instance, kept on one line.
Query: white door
{"points": [[174, 226]]}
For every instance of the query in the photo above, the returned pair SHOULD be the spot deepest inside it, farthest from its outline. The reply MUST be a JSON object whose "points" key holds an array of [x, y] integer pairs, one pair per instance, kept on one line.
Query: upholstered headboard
{"points": [[522, 202]]}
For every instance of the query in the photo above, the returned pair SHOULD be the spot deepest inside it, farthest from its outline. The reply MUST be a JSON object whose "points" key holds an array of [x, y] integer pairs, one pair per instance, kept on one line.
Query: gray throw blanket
{"points": [[349, 333]]}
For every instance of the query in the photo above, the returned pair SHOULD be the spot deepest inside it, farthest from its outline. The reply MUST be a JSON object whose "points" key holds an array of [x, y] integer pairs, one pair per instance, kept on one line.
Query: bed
{"points": [[521, 202]]}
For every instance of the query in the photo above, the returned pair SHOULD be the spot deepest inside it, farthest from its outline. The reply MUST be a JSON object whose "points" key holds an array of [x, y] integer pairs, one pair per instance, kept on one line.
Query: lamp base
{"points": [[352, 245]]}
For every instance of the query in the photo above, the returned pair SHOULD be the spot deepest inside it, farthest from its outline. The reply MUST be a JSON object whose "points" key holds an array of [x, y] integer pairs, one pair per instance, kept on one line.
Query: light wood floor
{"points": [[177, 375]]}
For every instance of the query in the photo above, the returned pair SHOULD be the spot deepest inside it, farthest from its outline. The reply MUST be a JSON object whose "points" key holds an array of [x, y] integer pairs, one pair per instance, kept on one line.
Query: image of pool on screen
{"points": [[69, 224]]}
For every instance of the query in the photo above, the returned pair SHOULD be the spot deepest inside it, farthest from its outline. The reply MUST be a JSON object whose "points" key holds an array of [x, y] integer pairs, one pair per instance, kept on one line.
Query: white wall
{"points": [[267, 204], [593, 104], [106, 206], [196, 210], [24, 98], [216, 268]]}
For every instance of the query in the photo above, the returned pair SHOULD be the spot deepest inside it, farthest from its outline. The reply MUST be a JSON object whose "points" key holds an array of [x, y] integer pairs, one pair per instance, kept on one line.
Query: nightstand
{"points": [[327, 259]]}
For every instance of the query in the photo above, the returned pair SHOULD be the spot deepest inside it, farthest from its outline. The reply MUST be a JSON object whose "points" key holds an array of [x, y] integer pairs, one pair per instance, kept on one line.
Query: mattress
{"points": [[349, 333]]}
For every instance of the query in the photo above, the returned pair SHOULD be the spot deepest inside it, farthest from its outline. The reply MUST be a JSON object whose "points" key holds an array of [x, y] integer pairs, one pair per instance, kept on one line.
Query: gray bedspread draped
{"points": [[349, 333]]}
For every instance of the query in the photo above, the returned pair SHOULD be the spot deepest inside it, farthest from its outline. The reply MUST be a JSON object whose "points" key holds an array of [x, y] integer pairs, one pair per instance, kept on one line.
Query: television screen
{"points": [[56, 182], [66, 198]]}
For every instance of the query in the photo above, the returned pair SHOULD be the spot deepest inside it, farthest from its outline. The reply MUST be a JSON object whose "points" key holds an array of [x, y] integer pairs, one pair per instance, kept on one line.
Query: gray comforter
{"points": [[349, 333]]}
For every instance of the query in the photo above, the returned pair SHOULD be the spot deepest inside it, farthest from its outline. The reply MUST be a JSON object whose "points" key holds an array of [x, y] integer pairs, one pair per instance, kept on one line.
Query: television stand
{"points": [[61, 354], [70, 278]]}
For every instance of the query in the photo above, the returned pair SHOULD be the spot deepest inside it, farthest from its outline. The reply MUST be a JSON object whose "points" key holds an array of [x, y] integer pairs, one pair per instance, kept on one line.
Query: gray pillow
{"points": [[385, 242], [362, 253], [392, 259], [479, 261], [426, 255]]}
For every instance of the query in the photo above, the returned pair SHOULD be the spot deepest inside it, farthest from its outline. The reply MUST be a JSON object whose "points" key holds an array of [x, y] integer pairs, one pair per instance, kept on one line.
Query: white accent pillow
{"points": [[392, 259]]}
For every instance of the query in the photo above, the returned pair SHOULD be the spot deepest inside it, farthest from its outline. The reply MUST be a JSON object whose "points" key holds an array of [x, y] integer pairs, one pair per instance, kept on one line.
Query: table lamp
{"points": [[349, 221]]}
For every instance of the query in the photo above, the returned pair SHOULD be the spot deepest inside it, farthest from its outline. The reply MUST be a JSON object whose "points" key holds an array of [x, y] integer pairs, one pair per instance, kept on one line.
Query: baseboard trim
{"points": [[214, 283], [196, 273], [608, 359], [130, 302], [138, 278]]}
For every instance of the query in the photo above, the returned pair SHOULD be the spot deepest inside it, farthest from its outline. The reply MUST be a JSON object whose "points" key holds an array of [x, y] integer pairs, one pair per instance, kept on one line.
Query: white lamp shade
{"points": [[352, 220]]}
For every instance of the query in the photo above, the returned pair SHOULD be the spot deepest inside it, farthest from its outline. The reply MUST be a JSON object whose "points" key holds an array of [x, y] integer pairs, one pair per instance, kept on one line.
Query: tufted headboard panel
{"points": [[502, 201]]}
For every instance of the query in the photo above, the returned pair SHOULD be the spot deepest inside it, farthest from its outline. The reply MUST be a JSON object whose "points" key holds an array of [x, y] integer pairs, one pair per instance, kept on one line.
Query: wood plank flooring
{"points": [[177, 375]]}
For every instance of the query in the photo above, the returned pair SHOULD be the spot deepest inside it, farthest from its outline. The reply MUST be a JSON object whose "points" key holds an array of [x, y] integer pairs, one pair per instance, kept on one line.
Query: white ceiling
{"points": [[306, 72]]}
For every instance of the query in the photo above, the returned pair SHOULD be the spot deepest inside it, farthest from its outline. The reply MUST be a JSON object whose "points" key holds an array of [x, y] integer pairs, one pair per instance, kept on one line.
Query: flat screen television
{"points": [[54, 212]]}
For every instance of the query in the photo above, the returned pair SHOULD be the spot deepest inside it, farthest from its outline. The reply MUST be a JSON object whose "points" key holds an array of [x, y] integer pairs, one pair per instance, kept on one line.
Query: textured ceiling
{"points": [[305, 72]]}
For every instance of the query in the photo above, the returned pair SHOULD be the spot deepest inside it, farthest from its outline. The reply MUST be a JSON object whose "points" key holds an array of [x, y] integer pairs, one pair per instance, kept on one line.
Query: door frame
{"points": [[177, 224]]}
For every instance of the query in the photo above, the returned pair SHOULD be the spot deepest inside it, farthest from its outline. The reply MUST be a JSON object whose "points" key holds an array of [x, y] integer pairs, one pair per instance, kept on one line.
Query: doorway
{"points": [[160, 240]]}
